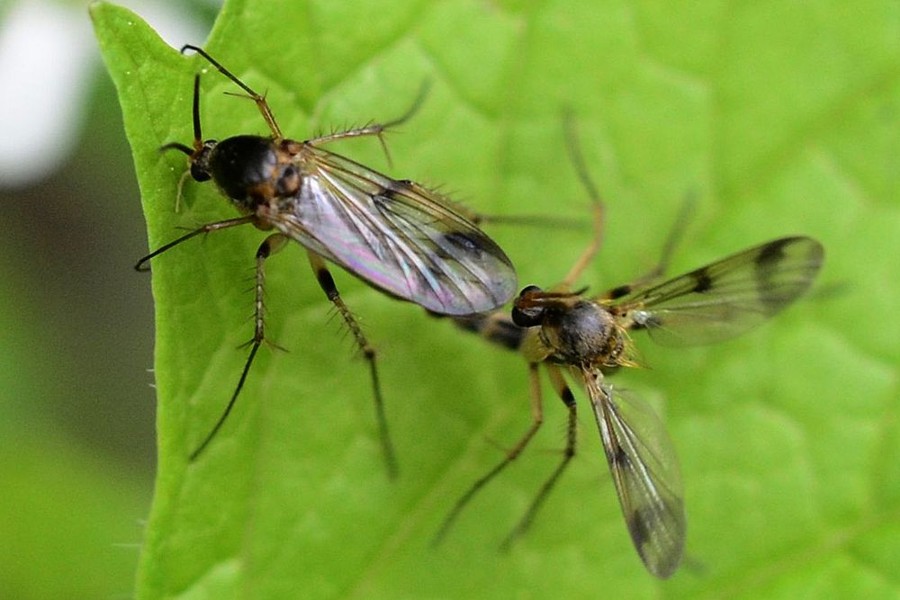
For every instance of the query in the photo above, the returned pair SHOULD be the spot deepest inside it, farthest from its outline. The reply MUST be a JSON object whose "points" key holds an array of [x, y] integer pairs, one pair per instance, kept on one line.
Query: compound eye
{"points": [[199, 172], [200, 161], [524, 314]]}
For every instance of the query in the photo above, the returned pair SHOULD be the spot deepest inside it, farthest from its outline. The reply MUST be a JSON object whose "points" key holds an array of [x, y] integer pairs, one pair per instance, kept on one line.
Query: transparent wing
{"points": [[645, 472], [725, 298], [396, 236]]}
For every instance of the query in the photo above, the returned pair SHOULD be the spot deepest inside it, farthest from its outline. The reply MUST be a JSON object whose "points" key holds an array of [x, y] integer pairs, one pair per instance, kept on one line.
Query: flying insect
{"points": [[588, 338]]}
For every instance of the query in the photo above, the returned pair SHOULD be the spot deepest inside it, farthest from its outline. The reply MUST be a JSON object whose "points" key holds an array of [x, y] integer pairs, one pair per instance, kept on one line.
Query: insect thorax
{"points": [[585, 333], [253, 170]]}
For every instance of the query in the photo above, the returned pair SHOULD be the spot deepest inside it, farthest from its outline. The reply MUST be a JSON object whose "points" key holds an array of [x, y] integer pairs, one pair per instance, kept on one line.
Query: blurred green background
{"points": [[77, 452]]}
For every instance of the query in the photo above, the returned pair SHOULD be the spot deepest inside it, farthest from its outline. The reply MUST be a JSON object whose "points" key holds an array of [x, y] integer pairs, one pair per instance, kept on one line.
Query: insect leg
{"points": [[537, 418], [376, 129], [326, 282], [259, 99], [672, 240], [597, 206], [675, 234], [565, 394], [555, 221], [496, 327], [142, 264], [270, 246]]}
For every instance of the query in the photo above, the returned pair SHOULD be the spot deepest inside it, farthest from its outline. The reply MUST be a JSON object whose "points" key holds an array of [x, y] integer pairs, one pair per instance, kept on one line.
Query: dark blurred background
{"points": [[77, 452]]}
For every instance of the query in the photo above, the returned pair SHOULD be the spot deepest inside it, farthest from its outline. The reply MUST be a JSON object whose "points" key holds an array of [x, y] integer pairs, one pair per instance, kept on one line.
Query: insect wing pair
{"points": [[397, 236], [710, 304], [591, 337]]}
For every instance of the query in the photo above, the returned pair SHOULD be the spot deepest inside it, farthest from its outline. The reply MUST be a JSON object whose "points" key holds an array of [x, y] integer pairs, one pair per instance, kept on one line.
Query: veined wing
{"points": [[727, 297], [645, 472], [397, 236]]}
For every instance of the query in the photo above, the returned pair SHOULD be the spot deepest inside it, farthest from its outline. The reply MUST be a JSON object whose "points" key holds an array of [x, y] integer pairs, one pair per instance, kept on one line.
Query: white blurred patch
{"points": [[48, 55]]}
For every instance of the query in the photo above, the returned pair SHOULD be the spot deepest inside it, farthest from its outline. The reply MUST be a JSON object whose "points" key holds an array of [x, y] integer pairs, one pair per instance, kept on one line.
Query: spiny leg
{"points": [[376, 129], [326, 282], [270, 246], [537, 418], [565, 394]]}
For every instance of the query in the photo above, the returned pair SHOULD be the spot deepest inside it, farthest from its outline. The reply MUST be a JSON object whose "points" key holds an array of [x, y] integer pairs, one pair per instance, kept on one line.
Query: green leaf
{"points": [[781, 117]]}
